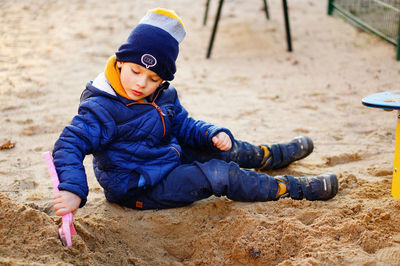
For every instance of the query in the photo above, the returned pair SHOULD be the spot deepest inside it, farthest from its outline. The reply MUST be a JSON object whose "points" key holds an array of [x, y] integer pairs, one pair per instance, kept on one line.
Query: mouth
{"points": [[136, 93]]}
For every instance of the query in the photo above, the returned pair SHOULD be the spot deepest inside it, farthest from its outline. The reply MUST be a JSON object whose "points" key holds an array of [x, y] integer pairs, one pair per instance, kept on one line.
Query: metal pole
{"points": [[206, 13], [221, 2], [330, 7], [266, 9], [287, 25], [398, 43]]}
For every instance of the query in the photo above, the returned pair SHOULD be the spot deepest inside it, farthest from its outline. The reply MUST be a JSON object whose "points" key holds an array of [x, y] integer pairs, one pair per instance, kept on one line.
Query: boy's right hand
{"points": [[65, 202]]}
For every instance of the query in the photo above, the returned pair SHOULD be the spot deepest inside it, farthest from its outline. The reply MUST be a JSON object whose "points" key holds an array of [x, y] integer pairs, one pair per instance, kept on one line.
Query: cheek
{"points": [[125, 80]]}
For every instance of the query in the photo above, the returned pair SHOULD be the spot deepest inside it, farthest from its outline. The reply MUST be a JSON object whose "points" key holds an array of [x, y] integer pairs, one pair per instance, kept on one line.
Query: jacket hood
{"points": [[98, 87]]}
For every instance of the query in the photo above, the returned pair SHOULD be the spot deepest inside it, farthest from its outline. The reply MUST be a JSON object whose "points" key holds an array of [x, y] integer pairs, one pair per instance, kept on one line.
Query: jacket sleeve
{"points": [[195, 133], [91, 129]]}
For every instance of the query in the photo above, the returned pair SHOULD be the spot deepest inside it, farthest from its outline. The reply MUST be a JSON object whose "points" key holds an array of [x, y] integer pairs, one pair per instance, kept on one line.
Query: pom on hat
{"points": [[154, 42]]}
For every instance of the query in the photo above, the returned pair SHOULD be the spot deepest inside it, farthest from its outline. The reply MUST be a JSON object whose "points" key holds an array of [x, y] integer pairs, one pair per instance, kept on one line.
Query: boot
{"points": [[281, 155], [322, 187]]}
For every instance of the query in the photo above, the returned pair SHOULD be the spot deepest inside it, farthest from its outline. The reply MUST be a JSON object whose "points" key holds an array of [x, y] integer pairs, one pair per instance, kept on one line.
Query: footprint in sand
{"points": [[301, 131], [342, 158], [34, 130], [379, 172], [308, 217], [24, 184]]}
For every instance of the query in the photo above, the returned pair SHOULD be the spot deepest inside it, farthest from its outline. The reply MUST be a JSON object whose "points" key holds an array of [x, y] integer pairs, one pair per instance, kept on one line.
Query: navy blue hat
{"points": [[154, 43]]}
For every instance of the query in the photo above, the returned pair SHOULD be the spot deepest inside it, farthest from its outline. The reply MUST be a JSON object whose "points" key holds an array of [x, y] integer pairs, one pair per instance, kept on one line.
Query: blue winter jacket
{"points": [[133, 144]]}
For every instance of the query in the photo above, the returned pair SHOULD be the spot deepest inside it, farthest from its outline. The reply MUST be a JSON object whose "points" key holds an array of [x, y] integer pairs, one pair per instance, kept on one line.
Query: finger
{"points": [[224, 142], [57, 199], [218, 137], [58, 206], [224, 148], [57, 196], [221, 147], [218, 143], [61, 212], [228, 143]]}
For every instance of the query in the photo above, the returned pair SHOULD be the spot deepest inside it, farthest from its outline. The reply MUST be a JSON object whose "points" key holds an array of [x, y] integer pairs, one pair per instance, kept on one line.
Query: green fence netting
{"points": [[381, 17]]}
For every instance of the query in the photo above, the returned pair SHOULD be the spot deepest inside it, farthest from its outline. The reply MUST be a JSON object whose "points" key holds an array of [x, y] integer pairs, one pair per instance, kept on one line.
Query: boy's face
{"points": [[137, 81]]}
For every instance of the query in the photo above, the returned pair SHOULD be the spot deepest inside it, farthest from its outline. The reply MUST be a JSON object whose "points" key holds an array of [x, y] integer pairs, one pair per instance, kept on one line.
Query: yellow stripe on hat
{"points": [[166, 12]]}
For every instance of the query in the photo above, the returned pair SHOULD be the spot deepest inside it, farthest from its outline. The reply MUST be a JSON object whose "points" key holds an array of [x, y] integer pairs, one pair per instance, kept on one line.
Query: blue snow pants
{"points": [[203, 174]]}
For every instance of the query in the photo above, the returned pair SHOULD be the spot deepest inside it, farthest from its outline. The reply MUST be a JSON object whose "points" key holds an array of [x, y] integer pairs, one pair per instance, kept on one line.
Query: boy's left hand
{"points": [[222, 141]]}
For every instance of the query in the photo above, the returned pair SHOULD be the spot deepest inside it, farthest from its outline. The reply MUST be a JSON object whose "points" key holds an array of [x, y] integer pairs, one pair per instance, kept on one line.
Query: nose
{"points": [[141, 81]]}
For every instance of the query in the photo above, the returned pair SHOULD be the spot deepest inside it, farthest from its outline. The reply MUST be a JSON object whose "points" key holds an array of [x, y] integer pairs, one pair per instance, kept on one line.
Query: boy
{"points": [[147, 152]]}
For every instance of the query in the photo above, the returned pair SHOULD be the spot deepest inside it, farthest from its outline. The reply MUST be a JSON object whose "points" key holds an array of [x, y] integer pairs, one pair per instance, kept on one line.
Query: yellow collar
{"points": [[112, 73]]}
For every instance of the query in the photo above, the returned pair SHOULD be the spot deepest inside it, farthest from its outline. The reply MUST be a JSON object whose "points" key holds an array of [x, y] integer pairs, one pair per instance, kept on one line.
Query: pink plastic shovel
{"points": [[67, 228]]}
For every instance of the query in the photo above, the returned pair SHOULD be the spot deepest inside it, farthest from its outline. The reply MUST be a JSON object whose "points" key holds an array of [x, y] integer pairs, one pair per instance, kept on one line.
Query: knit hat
{"points": [[154, 42]]}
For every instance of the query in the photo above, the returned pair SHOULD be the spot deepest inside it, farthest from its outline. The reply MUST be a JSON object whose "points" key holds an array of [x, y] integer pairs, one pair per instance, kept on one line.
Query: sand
{"points": [[264, 94]]}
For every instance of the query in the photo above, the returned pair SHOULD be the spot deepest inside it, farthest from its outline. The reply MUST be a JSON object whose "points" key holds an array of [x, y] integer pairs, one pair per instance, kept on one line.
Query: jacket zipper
{"points": [[179, 155], [153, 103]]}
